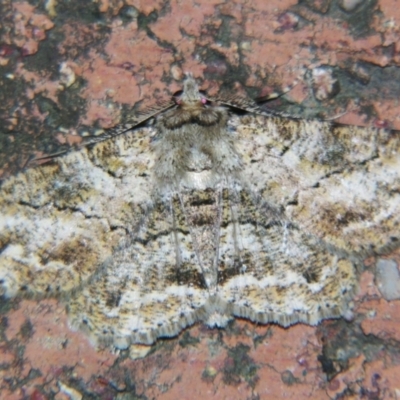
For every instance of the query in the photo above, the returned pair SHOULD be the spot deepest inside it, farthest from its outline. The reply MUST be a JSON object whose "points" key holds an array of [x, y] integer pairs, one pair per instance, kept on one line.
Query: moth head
{"points": [[190, 96]]}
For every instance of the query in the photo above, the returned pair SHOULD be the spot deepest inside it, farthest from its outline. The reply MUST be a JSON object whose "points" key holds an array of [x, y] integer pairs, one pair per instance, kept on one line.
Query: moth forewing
{"points": [[67, 217]]}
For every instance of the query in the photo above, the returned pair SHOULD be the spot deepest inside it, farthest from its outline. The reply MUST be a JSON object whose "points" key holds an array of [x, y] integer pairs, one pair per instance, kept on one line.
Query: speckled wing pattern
{"points": [[203, 216]]}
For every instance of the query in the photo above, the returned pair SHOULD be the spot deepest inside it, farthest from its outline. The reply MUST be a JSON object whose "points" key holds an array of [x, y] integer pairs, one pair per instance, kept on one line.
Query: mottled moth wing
{"points": [[209, 256], [339, 183], [59, 222]]}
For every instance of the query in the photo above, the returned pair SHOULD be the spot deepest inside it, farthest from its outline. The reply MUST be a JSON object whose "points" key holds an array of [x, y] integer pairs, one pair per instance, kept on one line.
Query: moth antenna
{"points": [[275, 95]]}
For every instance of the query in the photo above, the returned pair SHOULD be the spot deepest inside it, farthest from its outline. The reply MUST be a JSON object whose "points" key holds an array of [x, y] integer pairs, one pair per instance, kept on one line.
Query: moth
{"points": [[202, 215]]}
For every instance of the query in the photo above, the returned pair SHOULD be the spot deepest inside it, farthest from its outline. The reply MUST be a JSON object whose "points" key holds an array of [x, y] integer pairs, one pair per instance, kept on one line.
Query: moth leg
{"points": [[217, 229], [175, 240]]}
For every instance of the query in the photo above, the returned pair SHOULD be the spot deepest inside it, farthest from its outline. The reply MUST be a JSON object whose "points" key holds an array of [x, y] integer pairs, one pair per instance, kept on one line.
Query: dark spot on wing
{"points": [[113, 299]]}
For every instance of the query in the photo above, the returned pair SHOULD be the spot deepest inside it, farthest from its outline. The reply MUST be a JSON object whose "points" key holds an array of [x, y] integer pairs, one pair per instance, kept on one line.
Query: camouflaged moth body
{"points": [[203, 216]]}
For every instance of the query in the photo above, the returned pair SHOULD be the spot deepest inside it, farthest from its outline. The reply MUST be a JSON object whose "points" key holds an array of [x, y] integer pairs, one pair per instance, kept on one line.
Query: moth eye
{"points": [[204, 99]]}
